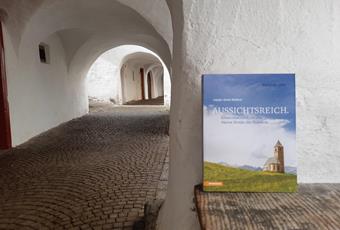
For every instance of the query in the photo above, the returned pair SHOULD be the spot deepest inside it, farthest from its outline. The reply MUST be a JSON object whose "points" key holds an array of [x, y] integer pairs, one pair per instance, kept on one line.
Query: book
{"points": [[249, 133]]}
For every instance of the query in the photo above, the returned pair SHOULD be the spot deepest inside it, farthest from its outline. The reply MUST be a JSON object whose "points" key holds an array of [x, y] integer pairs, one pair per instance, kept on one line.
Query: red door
{"points": [[142, 83], [149, 86], [5, 130]]}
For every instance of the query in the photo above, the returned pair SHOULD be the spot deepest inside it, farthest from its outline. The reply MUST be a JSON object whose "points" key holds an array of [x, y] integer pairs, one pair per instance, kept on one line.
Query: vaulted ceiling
{"points": [[89, 28]]}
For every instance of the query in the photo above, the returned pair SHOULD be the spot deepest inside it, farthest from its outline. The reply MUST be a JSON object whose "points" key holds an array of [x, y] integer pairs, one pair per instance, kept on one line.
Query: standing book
{"points": [[249, 133]]}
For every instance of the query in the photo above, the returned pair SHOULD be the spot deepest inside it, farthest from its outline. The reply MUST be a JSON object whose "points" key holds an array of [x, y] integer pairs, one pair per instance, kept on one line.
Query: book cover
{"points": [[249, 133]]}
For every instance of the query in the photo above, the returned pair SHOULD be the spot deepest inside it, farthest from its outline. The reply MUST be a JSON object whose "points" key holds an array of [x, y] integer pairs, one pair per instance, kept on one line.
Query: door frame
{"points": [[5, 127]]}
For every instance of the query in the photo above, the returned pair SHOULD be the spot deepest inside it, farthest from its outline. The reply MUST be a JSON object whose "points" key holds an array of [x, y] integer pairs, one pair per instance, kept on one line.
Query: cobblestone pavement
{"points": [[95, 172], [154, 101]]}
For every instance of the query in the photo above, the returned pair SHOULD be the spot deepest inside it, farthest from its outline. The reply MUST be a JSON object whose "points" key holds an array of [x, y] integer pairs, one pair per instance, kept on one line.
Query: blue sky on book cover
{"points": [[245, 116]]}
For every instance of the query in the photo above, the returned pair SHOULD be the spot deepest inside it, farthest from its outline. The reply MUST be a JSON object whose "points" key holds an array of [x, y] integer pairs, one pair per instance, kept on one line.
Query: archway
{"points": [[130, 75]]}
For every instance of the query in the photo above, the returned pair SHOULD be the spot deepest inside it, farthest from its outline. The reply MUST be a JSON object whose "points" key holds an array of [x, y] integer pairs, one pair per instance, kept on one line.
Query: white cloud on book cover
{"points": [[246, 144]]}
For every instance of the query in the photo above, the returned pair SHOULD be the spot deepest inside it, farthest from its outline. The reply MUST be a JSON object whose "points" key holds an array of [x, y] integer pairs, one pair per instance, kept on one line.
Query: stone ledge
{"points": [[315, 206]]}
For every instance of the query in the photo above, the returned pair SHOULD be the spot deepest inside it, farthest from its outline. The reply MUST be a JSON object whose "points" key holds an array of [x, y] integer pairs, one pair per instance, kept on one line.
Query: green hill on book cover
{"points": [[242, 180]]}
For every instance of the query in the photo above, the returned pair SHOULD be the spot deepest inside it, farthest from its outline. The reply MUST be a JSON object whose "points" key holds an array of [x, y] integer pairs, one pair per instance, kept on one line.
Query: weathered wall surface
{"points": [[259, 36], [103, 79]]}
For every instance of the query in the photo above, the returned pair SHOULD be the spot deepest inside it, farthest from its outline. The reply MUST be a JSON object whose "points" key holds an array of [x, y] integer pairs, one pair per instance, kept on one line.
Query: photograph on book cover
{"points": [[249, 133]]}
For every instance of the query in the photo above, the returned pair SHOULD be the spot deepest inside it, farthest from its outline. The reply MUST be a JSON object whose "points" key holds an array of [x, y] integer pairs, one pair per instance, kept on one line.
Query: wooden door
{"points": [[5, 131], [149, 86], [142, 83]]}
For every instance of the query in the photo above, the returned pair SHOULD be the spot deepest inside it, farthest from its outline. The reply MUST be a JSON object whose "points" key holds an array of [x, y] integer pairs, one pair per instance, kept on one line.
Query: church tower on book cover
{"points": [[276, 163]]}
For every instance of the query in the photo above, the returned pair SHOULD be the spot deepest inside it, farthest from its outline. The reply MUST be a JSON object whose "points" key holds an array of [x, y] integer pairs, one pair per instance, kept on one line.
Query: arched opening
{"points": [[129, 75]]}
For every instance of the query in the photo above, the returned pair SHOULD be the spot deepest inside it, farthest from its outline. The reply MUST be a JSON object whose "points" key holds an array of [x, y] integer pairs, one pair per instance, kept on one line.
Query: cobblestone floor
{"points": [[155, 101], [95, 172]]}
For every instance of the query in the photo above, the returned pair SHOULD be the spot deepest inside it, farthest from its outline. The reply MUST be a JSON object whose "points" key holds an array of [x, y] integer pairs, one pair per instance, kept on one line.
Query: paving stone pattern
{"points": [[154, 101], [95, 172]]}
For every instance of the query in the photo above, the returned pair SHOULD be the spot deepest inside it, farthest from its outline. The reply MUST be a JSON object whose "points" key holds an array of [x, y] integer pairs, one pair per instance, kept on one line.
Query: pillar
{"points": [[261, 36]]}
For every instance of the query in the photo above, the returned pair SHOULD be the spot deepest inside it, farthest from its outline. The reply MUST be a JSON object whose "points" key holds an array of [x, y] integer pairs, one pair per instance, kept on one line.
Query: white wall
{"points": [[131, 79], [253, 36], [157, 85], [167, 88], [103, 80], [40, 95]]}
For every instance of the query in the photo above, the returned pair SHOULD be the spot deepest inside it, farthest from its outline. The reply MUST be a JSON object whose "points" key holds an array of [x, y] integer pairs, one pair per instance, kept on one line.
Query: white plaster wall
{"points": [[39, 94], [167, 88], [146, 87], [157, 13], [253, 36], [157, 82], [132, 83], [103, 80]]}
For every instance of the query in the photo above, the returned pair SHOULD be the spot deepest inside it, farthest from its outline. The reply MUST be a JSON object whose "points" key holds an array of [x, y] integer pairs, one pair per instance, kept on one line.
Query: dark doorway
{"points": [[142, 83], [149, 86], [5, 131]]}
